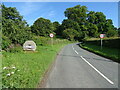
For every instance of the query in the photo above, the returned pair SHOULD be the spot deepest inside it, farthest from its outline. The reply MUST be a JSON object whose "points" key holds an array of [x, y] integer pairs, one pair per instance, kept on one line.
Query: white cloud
{"points": [[29, 8], [51, 14]]}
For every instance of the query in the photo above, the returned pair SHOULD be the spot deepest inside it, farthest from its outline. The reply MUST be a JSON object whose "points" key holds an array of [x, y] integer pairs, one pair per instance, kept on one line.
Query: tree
{"points": [[56, 26], [93, 30], [70, 34], [5, 42], [97, 18], [42, 27], [111, 33], [109, 28], [100, 17], [13, 26], [91, 18], [77, 13], [68, 23]]}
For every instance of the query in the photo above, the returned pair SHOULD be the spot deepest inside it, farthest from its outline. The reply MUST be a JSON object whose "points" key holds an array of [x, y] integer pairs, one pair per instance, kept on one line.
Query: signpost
{"points": [[51, 36], [101, 37]]}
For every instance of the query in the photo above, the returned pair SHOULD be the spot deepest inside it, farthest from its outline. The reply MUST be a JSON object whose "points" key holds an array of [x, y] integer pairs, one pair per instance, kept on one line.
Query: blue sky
{"points": [[55, 10]]}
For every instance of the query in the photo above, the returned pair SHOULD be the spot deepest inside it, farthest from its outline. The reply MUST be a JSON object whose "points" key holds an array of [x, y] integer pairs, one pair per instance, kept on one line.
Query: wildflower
{"points": [[12, 72], [13, 67], [8, 74], [4, 67]]}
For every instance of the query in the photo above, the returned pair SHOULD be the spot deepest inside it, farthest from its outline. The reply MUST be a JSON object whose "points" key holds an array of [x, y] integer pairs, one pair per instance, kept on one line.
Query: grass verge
{"points": [[111, 53], [26, 69]]}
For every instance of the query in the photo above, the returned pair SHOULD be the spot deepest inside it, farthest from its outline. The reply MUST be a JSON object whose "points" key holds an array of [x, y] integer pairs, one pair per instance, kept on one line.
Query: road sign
{"points": [[51, 35], [102, 35]]}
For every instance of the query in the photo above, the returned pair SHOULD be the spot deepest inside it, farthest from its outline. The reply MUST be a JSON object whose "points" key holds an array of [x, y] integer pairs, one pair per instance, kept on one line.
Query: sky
{"points": [[54, 11]]}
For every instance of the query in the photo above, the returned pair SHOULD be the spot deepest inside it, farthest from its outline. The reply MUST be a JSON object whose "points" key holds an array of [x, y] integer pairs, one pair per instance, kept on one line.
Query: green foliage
{"points": [[110, 29], [91, 17], [16, 49], [70, 34], [14, 27], [87, 23], [111, 33], [77, 13], [8, 74], [67, 23], [107, 52], [100, 17], [29, 66], [80, 22], [45, 41], [111, 43], [42, 27], [57, 29], [5, 42], [93, 30], [41, 40]]}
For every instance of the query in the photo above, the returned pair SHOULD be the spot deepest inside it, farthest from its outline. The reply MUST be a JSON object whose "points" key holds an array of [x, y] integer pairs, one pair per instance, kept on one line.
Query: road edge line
{"points": [[97, 71]]}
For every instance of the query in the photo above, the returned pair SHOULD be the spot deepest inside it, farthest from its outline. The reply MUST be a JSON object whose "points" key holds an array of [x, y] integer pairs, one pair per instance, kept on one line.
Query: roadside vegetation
{"points": [[26, 69], [110, 47], [22, 69]]}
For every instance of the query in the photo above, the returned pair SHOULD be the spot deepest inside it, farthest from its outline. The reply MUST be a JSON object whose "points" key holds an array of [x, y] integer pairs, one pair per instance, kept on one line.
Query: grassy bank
{"points": [[111, 52], [25, 69], [106, 38]]}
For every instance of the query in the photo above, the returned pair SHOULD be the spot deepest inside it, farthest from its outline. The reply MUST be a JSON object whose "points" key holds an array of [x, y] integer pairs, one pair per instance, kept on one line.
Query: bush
{"points": [[16, 49], [112, 43], [5, 42], [41, 40]]}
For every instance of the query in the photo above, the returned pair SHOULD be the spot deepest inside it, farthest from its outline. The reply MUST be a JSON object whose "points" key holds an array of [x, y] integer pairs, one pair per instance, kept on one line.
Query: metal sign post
{"points": [[52, 41], [101, 43], [101, 37]]}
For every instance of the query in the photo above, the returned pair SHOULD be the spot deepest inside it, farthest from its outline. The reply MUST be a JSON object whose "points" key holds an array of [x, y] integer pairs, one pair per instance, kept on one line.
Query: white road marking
{"points": [[75, 50], [97, 71]]}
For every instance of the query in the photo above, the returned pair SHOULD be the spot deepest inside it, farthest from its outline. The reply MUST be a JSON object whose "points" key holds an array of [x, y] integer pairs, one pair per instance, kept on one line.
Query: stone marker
{"points": [[29, 46]]}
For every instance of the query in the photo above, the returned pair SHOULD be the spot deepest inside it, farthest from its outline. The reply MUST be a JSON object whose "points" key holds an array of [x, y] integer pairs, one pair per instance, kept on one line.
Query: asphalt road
{"points": [[78, 68]]}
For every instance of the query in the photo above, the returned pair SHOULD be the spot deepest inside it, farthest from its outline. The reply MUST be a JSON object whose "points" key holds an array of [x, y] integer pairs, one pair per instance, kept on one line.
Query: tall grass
{"points": [[106, 38], [26, 69], [109, 50]]}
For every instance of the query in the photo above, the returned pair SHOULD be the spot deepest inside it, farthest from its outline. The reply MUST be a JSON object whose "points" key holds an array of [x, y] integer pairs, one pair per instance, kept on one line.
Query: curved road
{"points": [[78, 68]]}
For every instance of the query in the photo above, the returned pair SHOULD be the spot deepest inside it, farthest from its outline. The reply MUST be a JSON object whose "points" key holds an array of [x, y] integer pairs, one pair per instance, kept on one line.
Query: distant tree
{"points": [[56, 26], [68, 23], [77, 13], [93, 30], [42, 27], [100, 17], [91, 18], [70, 34], [111, 33], [73, 25], [109, 28]]}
